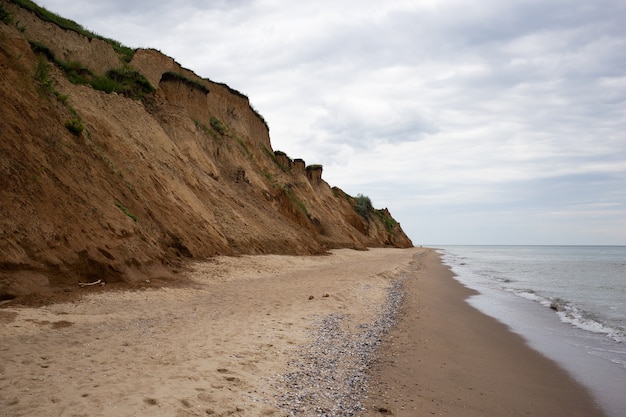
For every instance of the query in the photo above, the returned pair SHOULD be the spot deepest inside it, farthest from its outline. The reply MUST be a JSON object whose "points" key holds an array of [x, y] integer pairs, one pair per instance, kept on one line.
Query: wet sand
{"points": [[445, 358]]}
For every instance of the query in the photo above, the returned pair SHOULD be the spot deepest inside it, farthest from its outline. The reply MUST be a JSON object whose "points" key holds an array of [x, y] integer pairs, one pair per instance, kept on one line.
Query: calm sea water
{"points": [[568, 302]]}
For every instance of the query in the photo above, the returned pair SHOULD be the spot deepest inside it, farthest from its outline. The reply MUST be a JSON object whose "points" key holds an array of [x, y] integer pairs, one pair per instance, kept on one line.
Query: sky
{"points": [[474, 122]]}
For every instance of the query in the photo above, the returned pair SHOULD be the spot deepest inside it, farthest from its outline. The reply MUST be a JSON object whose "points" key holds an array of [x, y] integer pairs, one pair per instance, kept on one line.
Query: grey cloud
{"points": [[365, 129]]}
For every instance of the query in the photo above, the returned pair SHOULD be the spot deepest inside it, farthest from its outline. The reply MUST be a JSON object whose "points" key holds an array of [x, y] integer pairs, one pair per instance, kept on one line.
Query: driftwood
{"points": [[89, 284]]}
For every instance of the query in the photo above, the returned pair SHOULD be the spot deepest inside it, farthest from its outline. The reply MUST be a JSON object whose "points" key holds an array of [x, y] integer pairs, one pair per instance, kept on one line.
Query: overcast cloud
{"points": [[474, 122]]}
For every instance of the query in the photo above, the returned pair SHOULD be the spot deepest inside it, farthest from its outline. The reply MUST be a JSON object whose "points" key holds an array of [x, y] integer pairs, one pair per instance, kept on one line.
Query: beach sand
{"points": [[278, 335], [218, 346], [445, 358]]}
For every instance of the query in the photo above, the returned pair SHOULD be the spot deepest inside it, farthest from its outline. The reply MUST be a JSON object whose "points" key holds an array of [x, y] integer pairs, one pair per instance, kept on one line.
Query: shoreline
{"points": [[446, 358], [355, 333]]}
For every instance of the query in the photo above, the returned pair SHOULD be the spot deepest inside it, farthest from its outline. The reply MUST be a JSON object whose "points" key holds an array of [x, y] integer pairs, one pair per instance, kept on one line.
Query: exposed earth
{"points": [[120, 165]]}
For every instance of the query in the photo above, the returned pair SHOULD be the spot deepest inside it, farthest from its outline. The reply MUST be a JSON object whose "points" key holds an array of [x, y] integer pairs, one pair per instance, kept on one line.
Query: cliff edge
{"points": [[120, 165]]}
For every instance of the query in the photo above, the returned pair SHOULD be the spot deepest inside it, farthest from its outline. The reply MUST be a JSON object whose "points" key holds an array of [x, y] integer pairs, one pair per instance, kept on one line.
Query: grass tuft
{"points": [[75, 126], [217, 125], [125, 211]]}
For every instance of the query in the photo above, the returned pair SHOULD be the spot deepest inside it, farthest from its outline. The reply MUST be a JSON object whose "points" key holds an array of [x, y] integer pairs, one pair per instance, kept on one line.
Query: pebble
{"points": [[329, 376]]}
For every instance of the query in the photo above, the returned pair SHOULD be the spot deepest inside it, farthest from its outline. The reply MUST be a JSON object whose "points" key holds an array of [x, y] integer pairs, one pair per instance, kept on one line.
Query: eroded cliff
{"points": [[124, 166]]}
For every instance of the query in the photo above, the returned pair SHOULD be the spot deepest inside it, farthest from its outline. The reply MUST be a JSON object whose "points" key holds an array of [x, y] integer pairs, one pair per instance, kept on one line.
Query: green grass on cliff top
{"points": [[124, 52]]}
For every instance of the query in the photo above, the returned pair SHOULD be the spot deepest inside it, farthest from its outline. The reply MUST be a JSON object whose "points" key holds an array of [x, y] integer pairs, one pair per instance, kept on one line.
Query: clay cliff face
{"points": [[131, 184]]}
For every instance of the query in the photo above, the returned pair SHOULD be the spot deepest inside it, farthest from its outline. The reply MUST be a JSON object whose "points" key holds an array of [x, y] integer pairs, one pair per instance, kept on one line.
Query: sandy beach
{"points": [[279, 335], [220, 346]]}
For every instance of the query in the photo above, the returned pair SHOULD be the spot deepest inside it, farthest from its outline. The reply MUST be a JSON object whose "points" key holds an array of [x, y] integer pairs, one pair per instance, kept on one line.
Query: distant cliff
{"points": [[121, 165]]}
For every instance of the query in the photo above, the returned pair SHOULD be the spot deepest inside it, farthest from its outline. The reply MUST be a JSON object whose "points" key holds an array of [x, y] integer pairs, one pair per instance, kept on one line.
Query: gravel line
{"points": [[329, 376]]}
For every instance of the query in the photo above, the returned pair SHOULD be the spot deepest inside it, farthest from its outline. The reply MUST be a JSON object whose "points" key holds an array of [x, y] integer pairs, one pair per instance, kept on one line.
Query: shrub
{"points": [[75, 126], [363, 206]]}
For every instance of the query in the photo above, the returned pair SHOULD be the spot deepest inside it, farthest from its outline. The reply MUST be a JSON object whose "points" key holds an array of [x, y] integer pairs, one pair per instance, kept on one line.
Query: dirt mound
{"points": [[123, 169]]}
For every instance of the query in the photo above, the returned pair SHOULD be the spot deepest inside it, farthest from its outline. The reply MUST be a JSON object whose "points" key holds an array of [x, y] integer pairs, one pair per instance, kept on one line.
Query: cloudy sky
{"points": [[473, 121]]}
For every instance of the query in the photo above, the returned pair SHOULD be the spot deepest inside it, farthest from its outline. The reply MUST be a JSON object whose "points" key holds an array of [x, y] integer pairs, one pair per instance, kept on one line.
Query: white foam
{"points": [[572, 315]]}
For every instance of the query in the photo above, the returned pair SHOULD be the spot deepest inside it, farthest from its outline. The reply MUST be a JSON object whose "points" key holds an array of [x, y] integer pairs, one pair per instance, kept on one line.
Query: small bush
{"points": [[75, 126], [63, 98], [363, 206]]}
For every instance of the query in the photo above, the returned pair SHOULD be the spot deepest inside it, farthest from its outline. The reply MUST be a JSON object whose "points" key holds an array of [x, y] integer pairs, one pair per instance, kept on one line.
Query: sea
{"points": [[567, 302]]}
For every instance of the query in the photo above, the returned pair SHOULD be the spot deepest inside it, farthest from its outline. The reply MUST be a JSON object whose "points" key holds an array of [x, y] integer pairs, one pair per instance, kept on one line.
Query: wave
{"points": [[573, 315]]}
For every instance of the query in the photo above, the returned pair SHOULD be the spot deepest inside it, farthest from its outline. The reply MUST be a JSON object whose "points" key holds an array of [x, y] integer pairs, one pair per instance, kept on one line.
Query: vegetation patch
{"points": [[217, 125], [363, 206], [46, 86], [75, 126], [204, 128], [230, 89], [387, 221], [42, 76], [125, 211], [273, 157], [268, 152], [5, 16], [245, 147], [123, 80], [270, 178], [125, 53], [296, 201], [129, 82], [176, 76], [276, 159]]}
